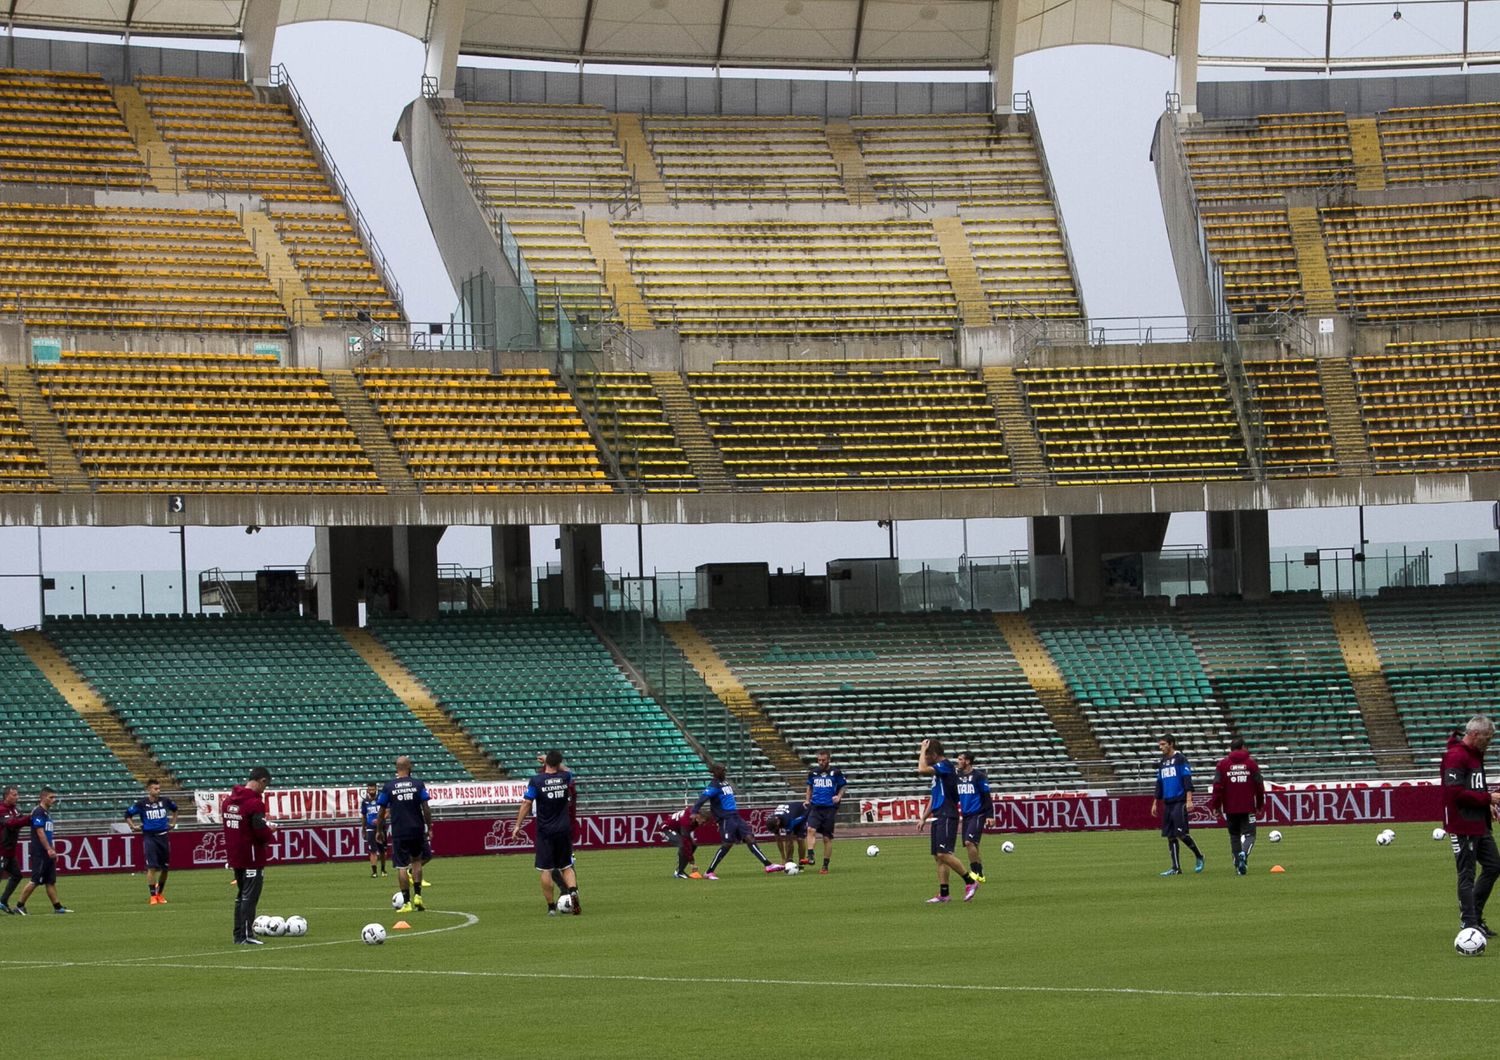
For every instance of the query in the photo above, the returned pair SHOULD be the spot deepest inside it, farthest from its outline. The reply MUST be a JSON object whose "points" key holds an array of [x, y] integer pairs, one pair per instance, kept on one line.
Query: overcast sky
{"points": [[1096, 108]]}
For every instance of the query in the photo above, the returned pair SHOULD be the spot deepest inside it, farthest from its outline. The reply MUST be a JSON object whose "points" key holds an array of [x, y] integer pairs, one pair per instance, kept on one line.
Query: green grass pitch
{"points": [[1074, 948]]}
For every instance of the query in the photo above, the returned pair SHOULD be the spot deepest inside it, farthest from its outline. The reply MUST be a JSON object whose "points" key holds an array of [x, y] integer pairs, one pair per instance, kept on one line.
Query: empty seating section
{"points": [[1278, 669], [870, 688], [1424, 145], [963, 158], [1136, 676], [712, 159], [334, 264], [1135, 423], [96, 267], [468, 430], [46, 742], [21, 465], [562, 263], [539, 155], [1023, 266], [523, 684], [1440, 650], [1432, 405], [224, 422], [1259, 262], [634, 426], [1438, 259], [64, 128], [1238, 161], [223, 137], [774, 278], [1287, 399], [836, 424], [212, 697]]}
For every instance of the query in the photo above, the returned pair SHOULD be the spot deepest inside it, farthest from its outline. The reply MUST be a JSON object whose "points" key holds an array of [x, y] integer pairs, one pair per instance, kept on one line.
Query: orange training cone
{"points": [[1274, 868], [401, 925]]}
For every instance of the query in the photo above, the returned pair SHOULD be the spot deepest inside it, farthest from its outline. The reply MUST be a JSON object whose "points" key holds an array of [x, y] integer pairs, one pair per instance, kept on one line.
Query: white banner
{"points": [[340, 804]]}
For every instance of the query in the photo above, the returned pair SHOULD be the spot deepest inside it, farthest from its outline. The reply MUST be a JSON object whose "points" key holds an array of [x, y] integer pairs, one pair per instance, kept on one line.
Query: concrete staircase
{"points": [[953, 242], [718, 676], [154, 152], [1052, 689], [373, 438], [1351, 446], [1312, 260], [419, 701], [858, 187], [286, 278], [639, 159], [618, 279], [677, 404], [1362, 659], [46, 432], [1369, 163], [91, 707], [1027, 461]]}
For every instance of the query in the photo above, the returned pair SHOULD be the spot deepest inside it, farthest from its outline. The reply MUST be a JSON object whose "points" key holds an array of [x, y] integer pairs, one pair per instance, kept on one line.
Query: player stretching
{"points": [[1241, 794], [975, 806], [825, 789], [550, 792], [1174, 797], [942, 809], [157, 816], [403, 802], [369, 811], [719, 795], [788, 823], [679, 833]]}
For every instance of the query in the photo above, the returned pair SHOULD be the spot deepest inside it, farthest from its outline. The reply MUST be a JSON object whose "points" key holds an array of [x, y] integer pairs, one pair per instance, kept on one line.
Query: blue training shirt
{"points": [[944, 789], [40, 818], [155, 816], [369, 809], [720, 796], [403, 797], [974, 794], [549, 793], [825, 785], [1174, 778]]}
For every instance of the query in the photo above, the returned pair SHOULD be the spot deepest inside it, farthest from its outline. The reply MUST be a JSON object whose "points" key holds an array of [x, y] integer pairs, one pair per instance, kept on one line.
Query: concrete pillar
{"points": [[1044, 541], [1085, 558], [582, 551], [510, 547], [414, 552], [261, 19], [442, 45], [1003, 54], [350, 563], [1223, 565], [1239, 554], [1186, 80]]}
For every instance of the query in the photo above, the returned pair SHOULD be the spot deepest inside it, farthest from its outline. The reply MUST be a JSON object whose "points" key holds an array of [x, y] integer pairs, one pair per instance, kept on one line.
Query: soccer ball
{"points": [[791, 868], [258, 925], [276, 926], [398, 900], [1470, 942], [296, 926], [1274, 837], [373, 934], [565, 904], [872, 850], [1386, 838], [1439, 834], [1007, 847]]}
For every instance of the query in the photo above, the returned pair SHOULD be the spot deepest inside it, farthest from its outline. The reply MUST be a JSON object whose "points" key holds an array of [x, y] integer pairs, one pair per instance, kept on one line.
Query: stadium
{"points": [[745, 275]]}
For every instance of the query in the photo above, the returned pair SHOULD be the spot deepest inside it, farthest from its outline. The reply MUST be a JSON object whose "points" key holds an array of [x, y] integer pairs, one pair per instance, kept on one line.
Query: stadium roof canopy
{"points": [[833, 34]]}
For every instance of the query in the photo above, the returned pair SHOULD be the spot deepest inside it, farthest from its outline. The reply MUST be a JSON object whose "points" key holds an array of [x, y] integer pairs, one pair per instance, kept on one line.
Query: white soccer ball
{"points": [[1274, 837], [296, 926], [258, 925], [373, 934], [1385, 839], [1007, 847], [398, 900], [1470, 942], [1439, 834], [791, 868], [565, 904], [276, 926], [872, 850]]}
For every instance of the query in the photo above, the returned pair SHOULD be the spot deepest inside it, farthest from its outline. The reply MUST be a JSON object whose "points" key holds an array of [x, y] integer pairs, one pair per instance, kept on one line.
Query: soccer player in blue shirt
{"points": [[1174, 796], [719, 797], [974, 806], [788, 823], [551, 793], [403, 802], [369, 810], [43, 855], [942, 809], [153, 817], [825, 790]]}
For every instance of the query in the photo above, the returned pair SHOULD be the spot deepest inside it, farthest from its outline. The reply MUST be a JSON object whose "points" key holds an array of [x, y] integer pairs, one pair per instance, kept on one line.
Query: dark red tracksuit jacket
{"points": [[246, 834], [13, 821], [1238, 787], [1466, 795]]}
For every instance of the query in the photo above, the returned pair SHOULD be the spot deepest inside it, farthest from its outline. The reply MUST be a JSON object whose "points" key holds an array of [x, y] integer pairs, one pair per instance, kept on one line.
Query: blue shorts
{"points": [[554, 850], [733, 829], [158, 850], [43, 871], [944, 830], [406, 848], [820, 819], [372, 840], [1174, 819], [974, 828]]}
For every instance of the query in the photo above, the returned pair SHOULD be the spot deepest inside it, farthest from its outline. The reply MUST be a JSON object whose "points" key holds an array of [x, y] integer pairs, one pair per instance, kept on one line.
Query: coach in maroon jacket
{"points": [[1240, 794], [1468, 813], [246, 835]]}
